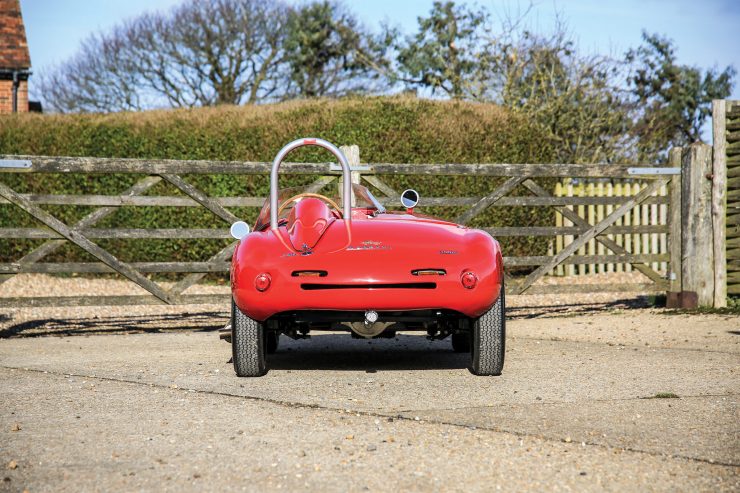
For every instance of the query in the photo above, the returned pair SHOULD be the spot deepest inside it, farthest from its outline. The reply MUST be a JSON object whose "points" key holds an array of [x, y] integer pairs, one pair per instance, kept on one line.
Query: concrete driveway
{"points": [[634, 400]]}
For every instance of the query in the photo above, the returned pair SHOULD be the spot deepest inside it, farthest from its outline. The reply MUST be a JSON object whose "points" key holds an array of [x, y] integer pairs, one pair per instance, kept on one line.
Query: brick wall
{"points": [[6, 96]]}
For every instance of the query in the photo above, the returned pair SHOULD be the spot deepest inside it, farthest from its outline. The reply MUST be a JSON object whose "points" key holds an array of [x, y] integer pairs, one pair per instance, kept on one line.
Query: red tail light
{"points": [[262, 282], [469, 280]]}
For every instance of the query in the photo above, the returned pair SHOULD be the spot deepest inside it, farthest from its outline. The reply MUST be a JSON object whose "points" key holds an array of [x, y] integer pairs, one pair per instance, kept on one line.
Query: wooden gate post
{"points": [[673, 297], [719, 200], [353, 156], [697, 248]]}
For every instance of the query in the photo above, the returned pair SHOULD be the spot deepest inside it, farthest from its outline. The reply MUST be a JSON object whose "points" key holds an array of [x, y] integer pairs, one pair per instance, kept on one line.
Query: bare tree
{"points": [[577, 99], [204, 52], [100, 77], [594, 108]]}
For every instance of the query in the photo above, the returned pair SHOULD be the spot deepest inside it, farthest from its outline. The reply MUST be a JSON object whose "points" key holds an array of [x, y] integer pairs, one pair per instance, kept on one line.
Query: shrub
{"points": [[387, 129]]}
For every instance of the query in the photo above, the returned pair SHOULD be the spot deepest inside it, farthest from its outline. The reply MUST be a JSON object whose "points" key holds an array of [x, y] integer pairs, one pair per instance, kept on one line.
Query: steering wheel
{"points": [[314, 195]]}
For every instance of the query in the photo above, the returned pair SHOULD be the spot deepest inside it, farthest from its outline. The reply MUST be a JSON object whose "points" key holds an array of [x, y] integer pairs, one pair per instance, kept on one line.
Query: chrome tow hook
{"points": [[370, 327]]}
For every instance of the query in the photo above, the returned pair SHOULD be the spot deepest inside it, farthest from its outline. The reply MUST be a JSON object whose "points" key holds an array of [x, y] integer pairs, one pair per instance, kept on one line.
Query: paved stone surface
{"points": [[574, 410]]}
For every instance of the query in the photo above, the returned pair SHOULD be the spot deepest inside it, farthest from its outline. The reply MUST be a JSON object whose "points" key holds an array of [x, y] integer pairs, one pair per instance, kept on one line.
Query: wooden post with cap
{"points": [[352, 153]]}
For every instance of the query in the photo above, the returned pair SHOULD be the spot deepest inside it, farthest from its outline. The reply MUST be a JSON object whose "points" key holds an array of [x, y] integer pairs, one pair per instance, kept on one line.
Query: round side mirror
{"points": [[239, 230], [409, 198]]}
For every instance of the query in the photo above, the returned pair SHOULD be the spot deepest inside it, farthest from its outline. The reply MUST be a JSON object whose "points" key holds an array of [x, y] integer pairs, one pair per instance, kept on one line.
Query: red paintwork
{"points": [[308, 221], [374, 250]]}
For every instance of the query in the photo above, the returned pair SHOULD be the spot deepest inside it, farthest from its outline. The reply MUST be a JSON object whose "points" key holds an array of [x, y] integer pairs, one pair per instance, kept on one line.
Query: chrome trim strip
{"points": [[378, 206]]}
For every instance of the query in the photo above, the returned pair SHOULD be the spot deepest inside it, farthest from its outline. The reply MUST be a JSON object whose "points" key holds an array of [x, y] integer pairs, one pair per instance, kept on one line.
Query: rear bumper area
{"points": [[290, 294], [392, 270]]}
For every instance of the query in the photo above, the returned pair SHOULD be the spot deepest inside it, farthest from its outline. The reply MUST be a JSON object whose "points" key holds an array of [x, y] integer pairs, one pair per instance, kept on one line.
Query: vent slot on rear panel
{"points": [[309, 273], [398, 285], [429, 272]]}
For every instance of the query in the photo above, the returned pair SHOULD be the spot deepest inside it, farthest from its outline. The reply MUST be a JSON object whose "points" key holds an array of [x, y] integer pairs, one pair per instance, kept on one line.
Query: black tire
{"points": [[489, 339], [247, 344], [461, 342], [272, 341]]}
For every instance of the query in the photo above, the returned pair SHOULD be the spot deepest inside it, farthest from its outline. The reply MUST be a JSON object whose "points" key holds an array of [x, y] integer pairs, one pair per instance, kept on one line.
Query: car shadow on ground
{"points": [[340, 352], [215, 320], [132, 324], [574, 309]]}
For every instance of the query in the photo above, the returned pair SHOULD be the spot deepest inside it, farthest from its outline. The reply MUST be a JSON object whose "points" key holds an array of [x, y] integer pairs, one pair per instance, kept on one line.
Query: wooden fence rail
{"points": [[591, 237]]}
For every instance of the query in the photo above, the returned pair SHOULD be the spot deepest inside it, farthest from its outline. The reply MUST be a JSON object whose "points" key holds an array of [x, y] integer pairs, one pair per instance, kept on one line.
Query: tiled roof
{"points": [[13, 45]]}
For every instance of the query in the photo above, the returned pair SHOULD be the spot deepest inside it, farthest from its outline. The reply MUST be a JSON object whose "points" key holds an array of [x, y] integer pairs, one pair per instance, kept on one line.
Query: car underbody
{"points": [[437, 324]]}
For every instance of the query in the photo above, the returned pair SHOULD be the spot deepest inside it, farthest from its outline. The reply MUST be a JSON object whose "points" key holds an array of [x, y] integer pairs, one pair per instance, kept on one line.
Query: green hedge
{"points": [[402, 130]]}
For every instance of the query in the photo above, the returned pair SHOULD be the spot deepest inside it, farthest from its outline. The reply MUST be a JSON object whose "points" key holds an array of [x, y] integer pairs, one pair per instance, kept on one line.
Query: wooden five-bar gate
{"points": [[504, 179]]}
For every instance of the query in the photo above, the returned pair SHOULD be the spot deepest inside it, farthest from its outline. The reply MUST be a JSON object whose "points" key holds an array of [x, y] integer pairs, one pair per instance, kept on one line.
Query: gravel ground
{"points": [[139, 404]]}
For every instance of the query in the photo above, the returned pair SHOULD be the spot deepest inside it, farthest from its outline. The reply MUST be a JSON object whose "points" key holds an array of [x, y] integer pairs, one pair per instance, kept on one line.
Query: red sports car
{"points": [[311, 264]]}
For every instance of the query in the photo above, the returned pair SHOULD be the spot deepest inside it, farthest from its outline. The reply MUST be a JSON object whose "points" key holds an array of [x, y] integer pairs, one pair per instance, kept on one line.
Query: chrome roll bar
{"points": [[346, 177]]}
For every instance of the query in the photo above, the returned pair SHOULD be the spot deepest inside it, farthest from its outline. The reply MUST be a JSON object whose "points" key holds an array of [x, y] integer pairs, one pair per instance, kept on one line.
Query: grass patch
{"points": [[663, 395], [732, 308]]}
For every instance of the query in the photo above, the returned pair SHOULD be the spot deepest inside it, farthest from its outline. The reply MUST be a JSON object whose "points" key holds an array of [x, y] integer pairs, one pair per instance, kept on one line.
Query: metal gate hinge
{"points": [[15, 163]]}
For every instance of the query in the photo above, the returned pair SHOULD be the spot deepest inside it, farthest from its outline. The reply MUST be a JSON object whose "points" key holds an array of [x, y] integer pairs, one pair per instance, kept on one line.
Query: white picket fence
{"points": [[647, 243]]}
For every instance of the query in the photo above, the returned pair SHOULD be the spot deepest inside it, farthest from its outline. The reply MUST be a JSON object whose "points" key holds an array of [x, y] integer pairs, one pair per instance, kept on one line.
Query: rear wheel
{"points": [[489, 339], [461, 342], [247, 344]]}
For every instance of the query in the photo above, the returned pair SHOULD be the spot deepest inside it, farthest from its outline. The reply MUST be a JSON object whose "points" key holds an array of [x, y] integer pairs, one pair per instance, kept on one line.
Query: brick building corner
{"points": [[15, 61]]}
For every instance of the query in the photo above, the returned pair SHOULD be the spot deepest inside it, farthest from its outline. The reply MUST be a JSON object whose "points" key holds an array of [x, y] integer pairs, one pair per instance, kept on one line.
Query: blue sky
{"points": [[703, 31]]}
